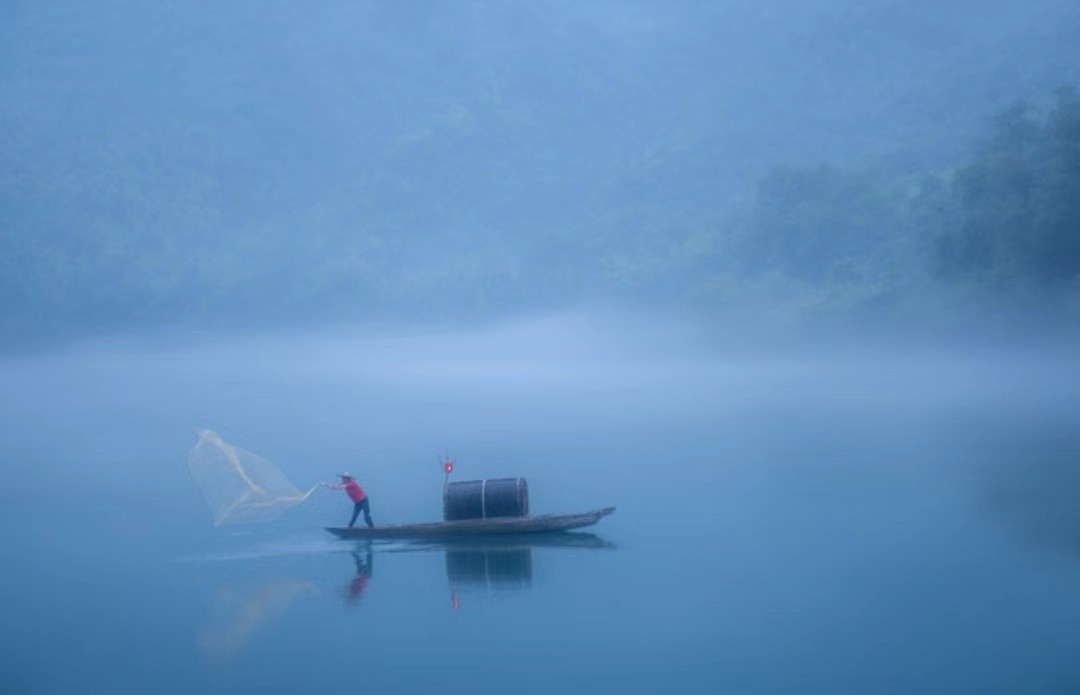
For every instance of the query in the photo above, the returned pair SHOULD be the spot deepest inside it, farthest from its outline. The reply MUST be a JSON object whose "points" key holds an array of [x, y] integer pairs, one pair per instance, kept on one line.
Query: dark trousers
{"points": [[366, 507]]}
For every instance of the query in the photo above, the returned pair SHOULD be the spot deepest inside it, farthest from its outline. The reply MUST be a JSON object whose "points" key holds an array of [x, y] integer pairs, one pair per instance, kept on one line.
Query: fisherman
{"points": [[356, 494]]}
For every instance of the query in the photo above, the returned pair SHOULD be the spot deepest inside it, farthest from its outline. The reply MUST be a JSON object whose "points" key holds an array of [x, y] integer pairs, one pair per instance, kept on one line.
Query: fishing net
{"points": [[239, 486]]}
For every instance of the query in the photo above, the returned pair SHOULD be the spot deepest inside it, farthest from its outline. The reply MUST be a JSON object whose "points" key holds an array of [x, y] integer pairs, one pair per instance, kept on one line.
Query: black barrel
{"points": [[486, 499]]}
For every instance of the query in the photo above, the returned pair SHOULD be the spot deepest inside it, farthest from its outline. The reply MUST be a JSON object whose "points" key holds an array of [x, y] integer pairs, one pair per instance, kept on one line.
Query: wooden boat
{"points": [[477, 527]]}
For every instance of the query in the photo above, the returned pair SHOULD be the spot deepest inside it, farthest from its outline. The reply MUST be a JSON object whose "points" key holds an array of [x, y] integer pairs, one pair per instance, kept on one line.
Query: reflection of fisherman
{"points": [[356, 494], [363, 576]]}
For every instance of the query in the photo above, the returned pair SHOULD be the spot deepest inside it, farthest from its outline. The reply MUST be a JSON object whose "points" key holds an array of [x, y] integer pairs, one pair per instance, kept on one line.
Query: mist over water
{"points": [[849, 520]]}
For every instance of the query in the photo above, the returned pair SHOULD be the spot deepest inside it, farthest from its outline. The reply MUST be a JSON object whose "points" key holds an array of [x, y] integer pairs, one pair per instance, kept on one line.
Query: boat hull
{"points": [[478, 527]]}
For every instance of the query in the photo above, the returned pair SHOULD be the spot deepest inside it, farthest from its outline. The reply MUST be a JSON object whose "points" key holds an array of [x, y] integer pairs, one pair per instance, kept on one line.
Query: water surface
{"points": [[825, 521]]}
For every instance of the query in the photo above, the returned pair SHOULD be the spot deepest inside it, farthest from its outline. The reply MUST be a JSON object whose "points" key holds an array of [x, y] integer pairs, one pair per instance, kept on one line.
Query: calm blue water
{"points": [[832, 523]]}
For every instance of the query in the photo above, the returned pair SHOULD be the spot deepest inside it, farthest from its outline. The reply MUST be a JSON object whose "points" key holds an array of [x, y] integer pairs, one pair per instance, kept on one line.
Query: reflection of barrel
{"points": [[486, 499], [506, 569]]}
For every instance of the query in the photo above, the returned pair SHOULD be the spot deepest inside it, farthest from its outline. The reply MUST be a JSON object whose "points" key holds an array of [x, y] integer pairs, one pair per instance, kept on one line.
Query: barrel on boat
{"points": [[486, 499]]}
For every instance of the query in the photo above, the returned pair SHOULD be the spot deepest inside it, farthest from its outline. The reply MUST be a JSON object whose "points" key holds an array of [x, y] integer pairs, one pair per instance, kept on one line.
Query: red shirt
{"points": [[354, 491]]}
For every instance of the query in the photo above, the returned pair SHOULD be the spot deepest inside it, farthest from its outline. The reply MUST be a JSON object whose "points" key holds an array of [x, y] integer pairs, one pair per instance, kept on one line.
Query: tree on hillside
{"points": [[1017, 205], [823, 225]]}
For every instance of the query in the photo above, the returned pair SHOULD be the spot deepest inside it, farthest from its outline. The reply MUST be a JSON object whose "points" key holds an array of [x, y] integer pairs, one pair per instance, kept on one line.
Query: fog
{"points": [[793, 286], [264, 165], [886, 502], [587, 408]]}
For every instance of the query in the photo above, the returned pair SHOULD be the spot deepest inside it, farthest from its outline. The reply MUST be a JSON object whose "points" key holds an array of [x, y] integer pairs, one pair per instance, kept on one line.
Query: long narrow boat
{"points": [[478, 527]]}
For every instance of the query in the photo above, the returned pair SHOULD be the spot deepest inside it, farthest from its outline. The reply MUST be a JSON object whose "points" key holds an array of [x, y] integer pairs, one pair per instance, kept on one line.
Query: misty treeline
{"points": [[1005, 221], [205, 165], [1003, 224]]}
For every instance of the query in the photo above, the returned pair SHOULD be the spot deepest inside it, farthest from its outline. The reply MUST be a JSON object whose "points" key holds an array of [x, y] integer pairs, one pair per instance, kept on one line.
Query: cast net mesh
{"points": [[240, 487]]}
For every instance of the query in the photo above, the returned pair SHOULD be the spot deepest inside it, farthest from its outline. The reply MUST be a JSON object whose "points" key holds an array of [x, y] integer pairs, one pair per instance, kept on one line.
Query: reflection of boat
{"points": [[508, 541], [500, 562], [509, 568], [478, 527]]}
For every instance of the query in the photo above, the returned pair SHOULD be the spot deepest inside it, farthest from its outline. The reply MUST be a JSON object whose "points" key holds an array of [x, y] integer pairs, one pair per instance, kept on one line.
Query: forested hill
{"points": [[264, 162]]}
